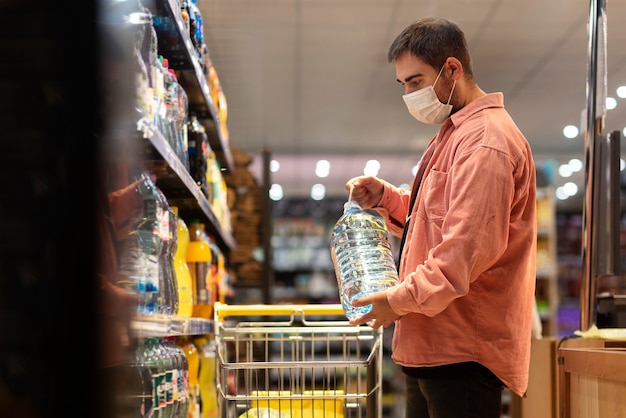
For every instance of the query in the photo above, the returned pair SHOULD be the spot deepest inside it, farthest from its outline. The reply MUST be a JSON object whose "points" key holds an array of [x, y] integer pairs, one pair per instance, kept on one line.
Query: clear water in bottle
{"points": [[362, 257], [140, 249]]}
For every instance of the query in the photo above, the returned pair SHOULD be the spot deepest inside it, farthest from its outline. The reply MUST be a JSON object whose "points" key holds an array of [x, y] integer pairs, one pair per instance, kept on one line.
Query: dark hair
{"points": [[433, 40]]}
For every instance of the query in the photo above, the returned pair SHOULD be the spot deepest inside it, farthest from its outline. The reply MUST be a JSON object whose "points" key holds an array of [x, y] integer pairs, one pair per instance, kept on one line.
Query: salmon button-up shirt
{"points": [[468, 265]]}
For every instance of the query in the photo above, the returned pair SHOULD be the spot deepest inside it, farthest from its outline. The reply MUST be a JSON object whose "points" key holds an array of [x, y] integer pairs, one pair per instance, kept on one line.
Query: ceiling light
{"points": [[570, 188], [318, 191], [274, 166], [371, 168], [322, 168], [565, 170], [560, 193], [611, 103], [621, 92], [276, 192], [570, 131], [575, 164]]}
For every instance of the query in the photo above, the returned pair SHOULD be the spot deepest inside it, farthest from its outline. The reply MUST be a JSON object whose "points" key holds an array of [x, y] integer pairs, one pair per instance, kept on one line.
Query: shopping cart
{"points": [[296, 361]]}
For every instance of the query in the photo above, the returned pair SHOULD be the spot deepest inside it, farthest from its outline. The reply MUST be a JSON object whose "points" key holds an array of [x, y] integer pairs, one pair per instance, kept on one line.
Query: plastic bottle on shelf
{"points": [[362, 257], [181, 268], [180, 397], [169, 105], [198, 149], [217, 265], [159, 94], [152, 356], [193, 362], [199, 257], [142, 395], [143, 94], [207, 377], [184, 12], [169, 374], [183, 385], [197, 27], [181, 116], [168, 294], [193, 23], [139, 254]]}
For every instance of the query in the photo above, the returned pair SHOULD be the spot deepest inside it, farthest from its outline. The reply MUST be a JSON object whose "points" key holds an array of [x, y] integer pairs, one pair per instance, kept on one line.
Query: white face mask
{"points": [[424, 105]]}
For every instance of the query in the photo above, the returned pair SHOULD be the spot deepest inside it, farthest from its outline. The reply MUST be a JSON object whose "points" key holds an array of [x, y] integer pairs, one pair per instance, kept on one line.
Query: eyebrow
{"points": [[409, 78]]}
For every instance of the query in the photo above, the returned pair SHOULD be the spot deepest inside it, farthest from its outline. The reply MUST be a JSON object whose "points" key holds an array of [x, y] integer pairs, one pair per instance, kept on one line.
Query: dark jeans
{"points": [[464, 390]]}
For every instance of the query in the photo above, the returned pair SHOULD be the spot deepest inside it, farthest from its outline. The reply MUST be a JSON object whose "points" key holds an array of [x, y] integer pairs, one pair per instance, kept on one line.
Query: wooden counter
{"points": [[592, 379]]}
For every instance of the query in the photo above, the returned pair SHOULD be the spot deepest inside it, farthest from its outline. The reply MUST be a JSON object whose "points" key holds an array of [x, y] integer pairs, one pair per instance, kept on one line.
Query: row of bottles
{"points": [[161, 101], [173, 269], [146, 266], [162, 104], [175, 378], [206, 170], [210, 280], [194, 25]]}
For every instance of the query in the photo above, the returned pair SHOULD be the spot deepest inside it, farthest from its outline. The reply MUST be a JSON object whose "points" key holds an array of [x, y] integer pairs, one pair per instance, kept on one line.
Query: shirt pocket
{"points": [[432, 204]]}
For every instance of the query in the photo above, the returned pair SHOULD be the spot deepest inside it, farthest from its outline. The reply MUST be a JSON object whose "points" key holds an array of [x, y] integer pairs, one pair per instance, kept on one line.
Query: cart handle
{"points": [[222, 310]]}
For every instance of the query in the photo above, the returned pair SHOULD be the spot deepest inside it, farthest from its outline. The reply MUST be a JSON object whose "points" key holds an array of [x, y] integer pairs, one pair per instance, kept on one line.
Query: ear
{"points": [[454, 68]]}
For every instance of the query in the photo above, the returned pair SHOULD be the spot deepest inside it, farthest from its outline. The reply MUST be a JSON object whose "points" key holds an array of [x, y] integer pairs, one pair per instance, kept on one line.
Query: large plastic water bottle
{"points": [[139, 254], [362, 257]]}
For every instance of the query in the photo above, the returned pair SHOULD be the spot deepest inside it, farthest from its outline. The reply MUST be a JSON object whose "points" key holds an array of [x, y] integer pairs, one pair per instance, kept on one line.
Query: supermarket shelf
{"points": [[181, 189], [177, 47], [162, 326]]}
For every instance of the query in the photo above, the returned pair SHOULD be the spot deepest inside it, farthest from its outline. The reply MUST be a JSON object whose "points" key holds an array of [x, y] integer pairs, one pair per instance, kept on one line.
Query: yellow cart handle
{"points": [[222, 310]]}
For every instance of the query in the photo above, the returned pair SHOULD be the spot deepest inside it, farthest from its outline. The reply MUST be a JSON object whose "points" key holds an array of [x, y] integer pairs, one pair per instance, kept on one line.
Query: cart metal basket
{"points": [[296, 361]]}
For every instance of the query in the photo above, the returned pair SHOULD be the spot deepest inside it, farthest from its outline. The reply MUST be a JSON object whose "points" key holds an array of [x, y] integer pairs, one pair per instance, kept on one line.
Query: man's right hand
{"points": [[365, 190]]}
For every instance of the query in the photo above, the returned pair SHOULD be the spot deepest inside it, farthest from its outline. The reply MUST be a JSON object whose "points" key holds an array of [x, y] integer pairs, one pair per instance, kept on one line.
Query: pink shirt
{"points": [[467, 287]]}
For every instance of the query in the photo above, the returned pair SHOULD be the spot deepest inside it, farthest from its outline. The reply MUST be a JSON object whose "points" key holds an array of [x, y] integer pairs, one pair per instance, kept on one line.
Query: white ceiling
{"points": [[309, 79]]}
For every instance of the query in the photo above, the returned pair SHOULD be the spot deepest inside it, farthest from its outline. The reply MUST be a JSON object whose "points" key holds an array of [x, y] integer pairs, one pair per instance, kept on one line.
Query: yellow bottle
{"points": [[183, 275], [193, 360], [207, 376], [198, 258]]}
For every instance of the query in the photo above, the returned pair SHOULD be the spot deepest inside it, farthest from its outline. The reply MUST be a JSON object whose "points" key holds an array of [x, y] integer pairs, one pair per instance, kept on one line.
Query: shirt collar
{"points": [[489, 100]]}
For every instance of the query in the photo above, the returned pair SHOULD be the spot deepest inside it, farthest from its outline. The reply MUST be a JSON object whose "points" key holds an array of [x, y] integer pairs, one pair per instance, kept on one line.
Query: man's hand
{"points": [[381, 314], [365, 190]]}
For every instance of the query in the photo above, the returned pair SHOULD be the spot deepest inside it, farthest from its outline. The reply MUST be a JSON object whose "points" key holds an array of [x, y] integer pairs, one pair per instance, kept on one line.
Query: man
{"points": [[463, 309]]}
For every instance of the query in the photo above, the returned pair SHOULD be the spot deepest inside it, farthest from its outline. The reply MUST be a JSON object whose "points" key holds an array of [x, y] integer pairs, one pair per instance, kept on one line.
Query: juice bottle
{"points": [[181, 268], [207, 376], [193, 360], [199, 257]]}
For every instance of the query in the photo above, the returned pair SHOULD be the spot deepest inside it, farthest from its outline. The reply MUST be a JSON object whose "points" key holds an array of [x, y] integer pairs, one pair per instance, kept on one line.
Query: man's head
{"points": [[433, 40], [433, 64]]}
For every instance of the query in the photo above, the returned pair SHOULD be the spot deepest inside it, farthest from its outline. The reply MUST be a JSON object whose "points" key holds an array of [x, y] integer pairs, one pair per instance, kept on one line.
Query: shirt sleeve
{"points": [[393, 207]]}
